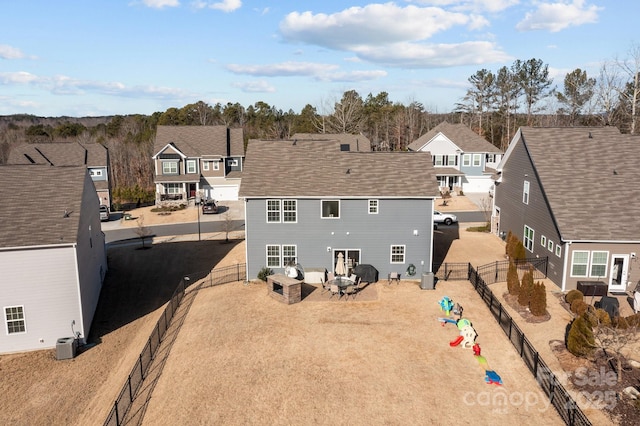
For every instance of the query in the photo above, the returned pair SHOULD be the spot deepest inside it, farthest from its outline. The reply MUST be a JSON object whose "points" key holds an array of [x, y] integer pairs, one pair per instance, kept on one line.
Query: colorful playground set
{"points": [[467, 336]]}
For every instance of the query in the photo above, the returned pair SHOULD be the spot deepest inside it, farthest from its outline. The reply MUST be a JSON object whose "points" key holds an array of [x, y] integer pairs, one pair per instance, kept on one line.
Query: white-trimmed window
{"points": [[191, 166], [558, 250], [290, 211], [438, 160], [273, 211], [550, 246], [273, 256], [232, 162], [14, 319], [397, 254], [525, 192], [169, 167], [172, 188], [599, 263], [477, 160], [330, 209], [95, 172], [216, 165], [466, 160], [452, 160], [289, 254], [373, 206], [543, 241], [528, 238], [579, 263], [205, 166]]}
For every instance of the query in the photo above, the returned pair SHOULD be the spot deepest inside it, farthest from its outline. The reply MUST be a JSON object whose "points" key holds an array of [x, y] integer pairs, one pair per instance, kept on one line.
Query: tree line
{"points": [[494, 106]]}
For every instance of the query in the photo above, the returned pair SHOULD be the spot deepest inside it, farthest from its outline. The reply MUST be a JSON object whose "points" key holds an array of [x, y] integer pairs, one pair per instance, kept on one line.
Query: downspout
{"points": [[80, 335], [564, 268]]}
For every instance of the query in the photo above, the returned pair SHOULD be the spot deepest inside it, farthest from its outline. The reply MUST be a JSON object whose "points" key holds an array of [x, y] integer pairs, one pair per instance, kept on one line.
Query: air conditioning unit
{"points": [[66, 348]]}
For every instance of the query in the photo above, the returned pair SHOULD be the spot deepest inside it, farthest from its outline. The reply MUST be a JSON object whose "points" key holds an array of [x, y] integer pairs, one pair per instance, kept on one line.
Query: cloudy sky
{"points": [[88, 58]]}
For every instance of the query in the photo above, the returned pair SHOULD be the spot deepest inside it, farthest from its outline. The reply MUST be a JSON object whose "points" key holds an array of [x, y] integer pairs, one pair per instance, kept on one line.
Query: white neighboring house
{"points": [[52, 255], [463, 160]]}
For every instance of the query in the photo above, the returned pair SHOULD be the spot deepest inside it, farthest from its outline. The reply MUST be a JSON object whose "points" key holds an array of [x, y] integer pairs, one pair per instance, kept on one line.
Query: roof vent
{"points": [[590, 135], [66, 213], [615, 173], [295, 142], [348, 171]]}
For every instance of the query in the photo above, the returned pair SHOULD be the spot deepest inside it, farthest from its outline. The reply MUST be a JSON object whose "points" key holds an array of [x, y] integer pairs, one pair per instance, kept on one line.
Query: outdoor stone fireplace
{"points": [[284, 289]]}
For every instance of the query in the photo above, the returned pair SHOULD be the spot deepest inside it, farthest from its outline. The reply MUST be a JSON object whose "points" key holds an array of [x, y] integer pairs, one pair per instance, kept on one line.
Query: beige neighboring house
{"points": [[356, 143], [463, 160], [52, 255], [93, 156], [201, 162]]}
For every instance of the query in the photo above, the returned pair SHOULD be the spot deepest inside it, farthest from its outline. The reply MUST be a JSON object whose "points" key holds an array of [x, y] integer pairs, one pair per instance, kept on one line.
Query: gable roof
{"points": [[589, 176], [305, 168], [459, 134], [356, 142], [33, 215], [59, 154], [199, 141]]}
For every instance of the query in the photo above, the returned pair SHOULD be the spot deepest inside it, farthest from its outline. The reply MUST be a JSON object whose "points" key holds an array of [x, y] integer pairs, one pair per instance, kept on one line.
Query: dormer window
{"points": [[169, 167]]}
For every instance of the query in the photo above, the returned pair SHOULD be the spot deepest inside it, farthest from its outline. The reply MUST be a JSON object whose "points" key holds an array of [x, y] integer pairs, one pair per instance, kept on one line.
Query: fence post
{"points": [[130, 391], [535, 364], [115, 406], [495, 279], [141, 367]]}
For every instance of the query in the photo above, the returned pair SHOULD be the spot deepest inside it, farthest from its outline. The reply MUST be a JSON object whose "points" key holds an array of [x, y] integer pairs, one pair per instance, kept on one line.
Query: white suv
{"points": [[104, 213], [446, 218]]}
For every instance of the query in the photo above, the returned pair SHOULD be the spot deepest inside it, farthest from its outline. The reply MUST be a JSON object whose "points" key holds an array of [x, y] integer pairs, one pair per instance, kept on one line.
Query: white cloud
{"points": [[470, 5], [8, 52], [411, 55], [224, 5], [160, 4], [351, 76], [556, 17], [282, 69], [258, 86], [374, 24]]}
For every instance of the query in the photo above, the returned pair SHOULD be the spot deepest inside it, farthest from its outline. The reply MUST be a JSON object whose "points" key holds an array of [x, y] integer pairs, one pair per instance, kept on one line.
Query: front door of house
{"points": [[619, 273]]}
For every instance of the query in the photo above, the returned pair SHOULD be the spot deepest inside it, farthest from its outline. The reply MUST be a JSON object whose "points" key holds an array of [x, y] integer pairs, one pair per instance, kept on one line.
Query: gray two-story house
{"points": [[570, 194], [463, 160], [52, 255], [94, 156], [197, 162], [307, 202]]}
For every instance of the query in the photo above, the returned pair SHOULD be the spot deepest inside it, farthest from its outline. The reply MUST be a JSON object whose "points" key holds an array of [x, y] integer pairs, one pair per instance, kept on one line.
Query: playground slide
{"points": [[456, 342]]}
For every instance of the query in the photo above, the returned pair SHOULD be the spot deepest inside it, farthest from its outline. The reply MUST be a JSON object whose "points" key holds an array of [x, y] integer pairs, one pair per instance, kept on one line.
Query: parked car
{"points": [[209, 207], [446, 218], [104, 213]]}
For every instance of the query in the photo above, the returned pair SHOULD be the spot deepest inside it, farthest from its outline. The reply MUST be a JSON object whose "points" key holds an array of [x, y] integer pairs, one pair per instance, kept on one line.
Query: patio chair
{"points": [[351, 290], [334, 289], [394, 276], [353, 277]]}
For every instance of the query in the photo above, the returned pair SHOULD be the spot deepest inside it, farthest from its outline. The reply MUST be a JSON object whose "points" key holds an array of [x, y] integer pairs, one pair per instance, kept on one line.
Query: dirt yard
{"points": [[237, 356]]}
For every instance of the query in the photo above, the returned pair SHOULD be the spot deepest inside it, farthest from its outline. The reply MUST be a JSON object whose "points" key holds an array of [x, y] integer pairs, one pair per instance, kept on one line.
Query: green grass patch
{"points": [[483, 228]]}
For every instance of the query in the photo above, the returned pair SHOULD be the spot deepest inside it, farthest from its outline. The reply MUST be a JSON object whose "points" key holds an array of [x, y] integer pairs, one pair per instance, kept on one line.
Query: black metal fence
{"points": [[136, 377], [558, 396], [497, 271], [452, 271]]}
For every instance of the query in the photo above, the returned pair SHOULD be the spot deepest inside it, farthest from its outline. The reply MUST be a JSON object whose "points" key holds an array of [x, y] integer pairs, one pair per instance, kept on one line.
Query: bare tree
{"points": [[613, 339], [227, 224], [631, 91], [142, 231], [607, 87]]}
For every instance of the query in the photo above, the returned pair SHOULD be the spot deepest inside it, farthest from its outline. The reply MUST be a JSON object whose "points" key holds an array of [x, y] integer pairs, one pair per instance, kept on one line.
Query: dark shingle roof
{"points": [[310, 169], [356, 142], [589, 177], [461, 135], [59, 154], [32, 214], [198, 141]]}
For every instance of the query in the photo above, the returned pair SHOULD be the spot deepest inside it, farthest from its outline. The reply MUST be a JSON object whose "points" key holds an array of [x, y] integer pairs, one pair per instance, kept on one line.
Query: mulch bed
{"points": [[524, 311]]}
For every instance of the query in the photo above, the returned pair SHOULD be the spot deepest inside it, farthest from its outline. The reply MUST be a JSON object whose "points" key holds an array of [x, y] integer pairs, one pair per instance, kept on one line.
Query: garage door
{"points": [[225, 193]]}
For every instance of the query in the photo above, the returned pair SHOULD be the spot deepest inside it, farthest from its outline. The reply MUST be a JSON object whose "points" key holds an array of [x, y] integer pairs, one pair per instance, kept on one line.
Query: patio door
{"points": [[619, 273], [351, 259]]}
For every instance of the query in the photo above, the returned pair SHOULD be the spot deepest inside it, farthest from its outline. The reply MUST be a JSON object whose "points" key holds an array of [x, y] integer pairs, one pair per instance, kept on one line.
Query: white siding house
{"points": [[52, 255]]}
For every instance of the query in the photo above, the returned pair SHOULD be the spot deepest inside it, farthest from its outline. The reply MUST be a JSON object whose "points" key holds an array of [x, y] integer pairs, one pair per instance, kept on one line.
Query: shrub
{"points": [[484, 228], [526, 288], [508, 248], [573, 295], [513, 283], [519, 252], [620, 322], [633, 320], [264, 273], [601, 317], [579, 307], [538, 302], [580, 340]]}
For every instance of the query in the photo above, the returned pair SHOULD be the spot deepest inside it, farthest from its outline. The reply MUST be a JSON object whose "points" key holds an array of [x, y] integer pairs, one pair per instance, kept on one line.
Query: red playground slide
{"points": [[457, 341]]}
